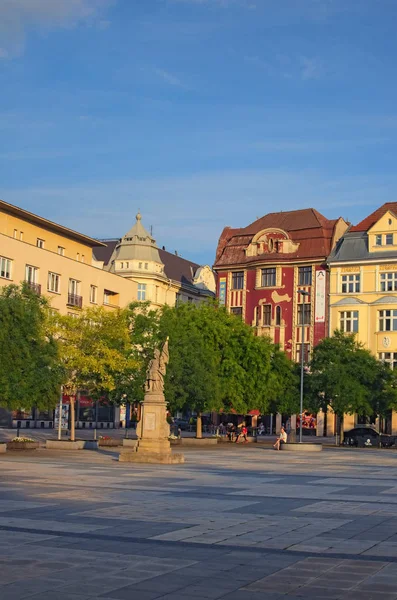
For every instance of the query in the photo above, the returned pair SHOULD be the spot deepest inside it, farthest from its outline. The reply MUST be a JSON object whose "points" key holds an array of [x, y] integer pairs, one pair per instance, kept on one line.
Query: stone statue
{"points": [[156, 370]]}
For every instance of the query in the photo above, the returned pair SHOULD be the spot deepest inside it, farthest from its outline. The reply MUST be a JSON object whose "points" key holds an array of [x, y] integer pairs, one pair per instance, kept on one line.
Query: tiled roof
{"points": [[103, 253], [178, 268], [310, 229], [369, 221]]}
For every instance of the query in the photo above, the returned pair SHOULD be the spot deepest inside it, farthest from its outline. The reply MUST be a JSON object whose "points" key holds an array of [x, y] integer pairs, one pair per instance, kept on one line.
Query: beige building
{"points": [[161, 277], [57, 262]]}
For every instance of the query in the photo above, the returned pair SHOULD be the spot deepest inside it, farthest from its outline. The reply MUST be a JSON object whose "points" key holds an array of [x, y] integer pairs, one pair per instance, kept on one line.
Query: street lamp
{"points": [[304, 294]]}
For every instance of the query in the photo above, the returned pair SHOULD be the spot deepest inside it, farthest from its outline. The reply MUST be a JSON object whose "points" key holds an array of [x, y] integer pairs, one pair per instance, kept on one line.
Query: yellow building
{"points": [[162, 277], [57, 262], [363, 290]]}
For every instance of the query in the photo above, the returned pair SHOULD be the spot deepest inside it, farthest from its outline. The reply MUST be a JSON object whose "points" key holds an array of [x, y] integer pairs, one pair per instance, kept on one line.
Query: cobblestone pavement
{"points": [[232, 522]]}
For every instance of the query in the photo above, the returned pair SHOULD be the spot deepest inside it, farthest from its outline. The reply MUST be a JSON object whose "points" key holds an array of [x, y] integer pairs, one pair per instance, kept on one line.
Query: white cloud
{"points": [[17, 17]]}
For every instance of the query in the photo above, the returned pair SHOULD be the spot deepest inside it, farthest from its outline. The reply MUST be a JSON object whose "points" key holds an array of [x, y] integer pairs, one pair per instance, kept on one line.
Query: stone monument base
{"points": [[152, 458]]}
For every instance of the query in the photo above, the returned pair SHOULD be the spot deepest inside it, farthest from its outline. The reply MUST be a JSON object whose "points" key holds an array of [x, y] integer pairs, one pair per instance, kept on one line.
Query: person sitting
{"points": [[282, 439], [261, 429], [242, 434]]}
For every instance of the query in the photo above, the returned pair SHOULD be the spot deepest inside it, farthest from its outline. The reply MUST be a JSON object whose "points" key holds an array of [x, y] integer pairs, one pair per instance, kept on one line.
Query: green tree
{"points": [[95, 352], [29, 367], [345, 376], [217, 362]]}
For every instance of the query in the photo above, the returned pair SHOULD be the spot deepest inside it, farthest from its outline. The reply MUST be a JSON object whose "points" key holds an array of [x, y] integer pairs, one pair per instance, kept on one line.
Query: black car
{"points": [[368, 437]]}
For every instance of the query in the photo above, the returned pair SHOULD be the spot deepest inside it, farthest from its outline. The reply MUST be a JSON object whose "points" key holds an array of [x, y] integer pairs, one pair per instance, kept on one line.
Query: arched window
{"points": [[278, 316]]}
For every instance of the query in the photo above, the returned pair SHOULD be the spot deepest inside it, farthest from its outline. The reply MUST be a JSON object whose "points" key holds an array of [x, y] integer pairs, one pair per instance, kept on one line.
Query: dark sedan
{"points": [[367, 437]]}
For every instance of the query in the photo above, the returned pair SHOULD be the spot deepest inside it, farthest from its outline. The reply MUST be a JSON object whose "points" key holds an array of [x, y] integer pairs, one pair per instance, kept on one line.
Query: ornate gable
{"points": [[271, 241]]}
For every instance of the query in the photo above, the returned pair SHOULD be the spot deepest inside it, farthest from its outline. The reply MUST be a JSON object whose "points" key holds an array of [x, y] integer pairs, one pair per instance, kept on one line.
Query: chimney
{"points": [[176, 253], [163, 247]]}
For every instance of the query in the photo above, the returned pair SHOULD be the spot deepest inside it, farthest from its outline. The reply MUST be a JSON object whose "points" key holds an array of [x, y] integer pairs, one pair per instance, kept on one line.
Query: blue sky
{"points": [[202, 113]]}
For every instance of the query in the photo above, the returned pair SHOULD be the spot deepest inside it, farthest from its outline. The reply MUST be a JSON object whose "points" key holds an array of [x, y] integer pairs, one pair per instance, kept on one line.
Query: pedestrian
{"points": [[282, 439], [243, 434]]}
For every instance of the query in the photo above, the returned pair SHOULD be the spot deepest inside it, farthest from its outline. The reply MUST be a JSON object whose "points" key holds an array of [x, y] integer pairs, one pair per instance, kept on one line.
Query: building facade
{"points": [[263, 269], [161, 277], [363, 289]]}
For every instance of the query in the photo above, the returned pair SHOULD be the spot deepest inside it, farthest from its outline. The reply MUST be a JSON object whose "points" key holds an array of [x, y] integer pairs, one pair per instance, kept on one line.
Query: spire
{"points": [[138, 216]]}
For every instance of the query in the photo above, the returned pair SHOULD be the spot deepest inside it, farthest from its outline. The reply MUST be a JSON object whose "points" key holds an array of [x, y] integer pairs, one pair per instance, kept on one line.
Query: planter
{"points": [[22, 445], [64, 445], [301, 447], [109, 443], [199, 441], [3, 448]]}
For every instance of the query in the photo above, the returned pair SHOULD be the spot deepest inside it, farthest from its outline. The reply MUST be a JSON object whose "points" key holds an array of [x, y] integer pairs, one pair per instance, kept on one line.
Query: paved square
{"points": [[232, 522]]}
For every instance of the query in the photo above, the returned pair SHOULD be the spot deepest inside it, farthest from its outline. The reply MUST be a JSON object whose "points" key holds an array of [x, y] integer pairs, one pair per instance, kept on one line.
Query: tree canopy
{"points": [[30, 372]]}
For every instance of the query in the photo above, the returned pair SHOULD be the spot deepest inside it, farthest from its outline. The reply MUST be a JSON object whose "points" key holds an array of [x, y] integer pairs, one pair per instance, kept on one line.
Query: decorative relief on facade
{"points": [[277, 298], [271, 241]]}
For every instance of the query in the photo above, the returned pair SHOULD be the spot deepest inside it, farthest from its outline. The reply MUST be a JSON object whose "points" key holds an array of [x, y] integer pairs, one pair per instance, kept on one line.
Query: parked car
{"points": [[182, 424], [367, 437]]}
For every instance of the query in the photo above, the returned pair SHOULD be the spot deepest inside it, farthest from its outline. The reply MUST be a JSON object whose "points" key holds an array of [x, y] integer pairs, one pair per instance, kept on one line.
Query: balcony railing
{"points": [[35, 287], [74, 300]]}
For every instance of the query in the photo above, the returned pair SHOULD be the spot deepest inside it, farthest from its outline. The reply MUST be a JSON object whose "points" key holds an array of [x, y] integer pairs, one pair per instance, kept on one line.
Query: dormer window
{"points": [[378, 240], [389, 239]]}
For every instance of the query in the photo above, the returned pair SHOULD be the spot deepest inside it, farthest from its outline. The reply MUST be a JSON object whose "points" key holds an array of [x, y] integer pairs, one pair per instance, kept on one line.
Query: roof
{"points": [[178, 268], [353, 246], [312, 231], [369, 221], [50, 225], [104, 252]]}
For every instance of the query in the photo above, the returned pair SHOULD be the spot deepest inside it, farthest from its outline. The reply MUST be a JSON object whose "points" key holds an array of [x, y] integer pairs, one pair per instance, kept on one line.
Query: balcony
{"points": [[74, 300], [35, 287]]}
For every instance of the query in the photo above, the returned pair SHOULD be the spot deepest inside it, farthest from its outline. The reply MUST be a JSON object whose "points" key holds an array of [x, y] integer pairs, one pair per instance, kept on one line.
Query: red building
{"points": [[262, 267]]}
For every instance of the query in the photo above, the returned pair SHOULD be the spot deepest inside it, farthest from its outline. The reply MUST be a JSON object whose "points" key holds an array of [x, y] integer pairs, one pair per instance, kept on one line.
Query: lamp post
{"points": [[304, 294]]}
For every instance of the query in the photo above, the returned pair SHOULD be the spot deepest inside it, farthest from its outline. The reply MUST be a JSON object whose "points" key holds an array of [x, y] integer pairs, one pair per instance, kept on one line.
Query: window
{"points": [[110, 298], [190, 299], [141, 290], [304, 314], [40, 243], [93, 294], [121, 265], [5, 267], [378, 240], [306, 352], [237, 310], [53, 282], [238, 280], [268, 277], [351, 283], [305, 276], [388, 282], [348, 321], [21, 236], [257, 316], [15, 234], [389, 239], [31, 274], [74, 286], [140, 265], [267, 315], [390, 358], [278, 315], [78, 256], [146, 266], [82, 258], [388, 320], [127, 265], [61, 251]]}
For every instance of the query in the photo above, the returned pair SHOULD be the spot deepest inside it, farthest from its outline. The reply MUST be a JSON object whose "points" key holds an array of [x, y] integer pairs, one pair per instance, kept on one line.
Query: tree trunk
{"points": [[72, 418], [341, 429], [199, 426]]}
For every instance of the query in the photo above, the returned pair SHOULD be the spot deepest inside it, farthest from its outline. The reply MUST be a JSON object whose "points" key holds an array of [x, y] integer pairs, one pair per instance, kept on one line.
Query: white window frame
{"points": [[5, 267], [31, 274], [142, 289], [349, 321], [378, 239], [387, 320], [389, 239], [93, 294], [351, 283], [40, 243], [388, 281], [61, 251], [74, 287], [390, 358], [53, 282]]}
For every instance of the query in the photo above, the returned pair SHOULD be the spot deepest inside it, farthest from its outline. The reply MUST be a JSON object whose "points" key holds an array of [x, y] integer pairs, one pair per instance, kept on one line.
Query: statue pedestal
{"points": [[153, 431]]}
